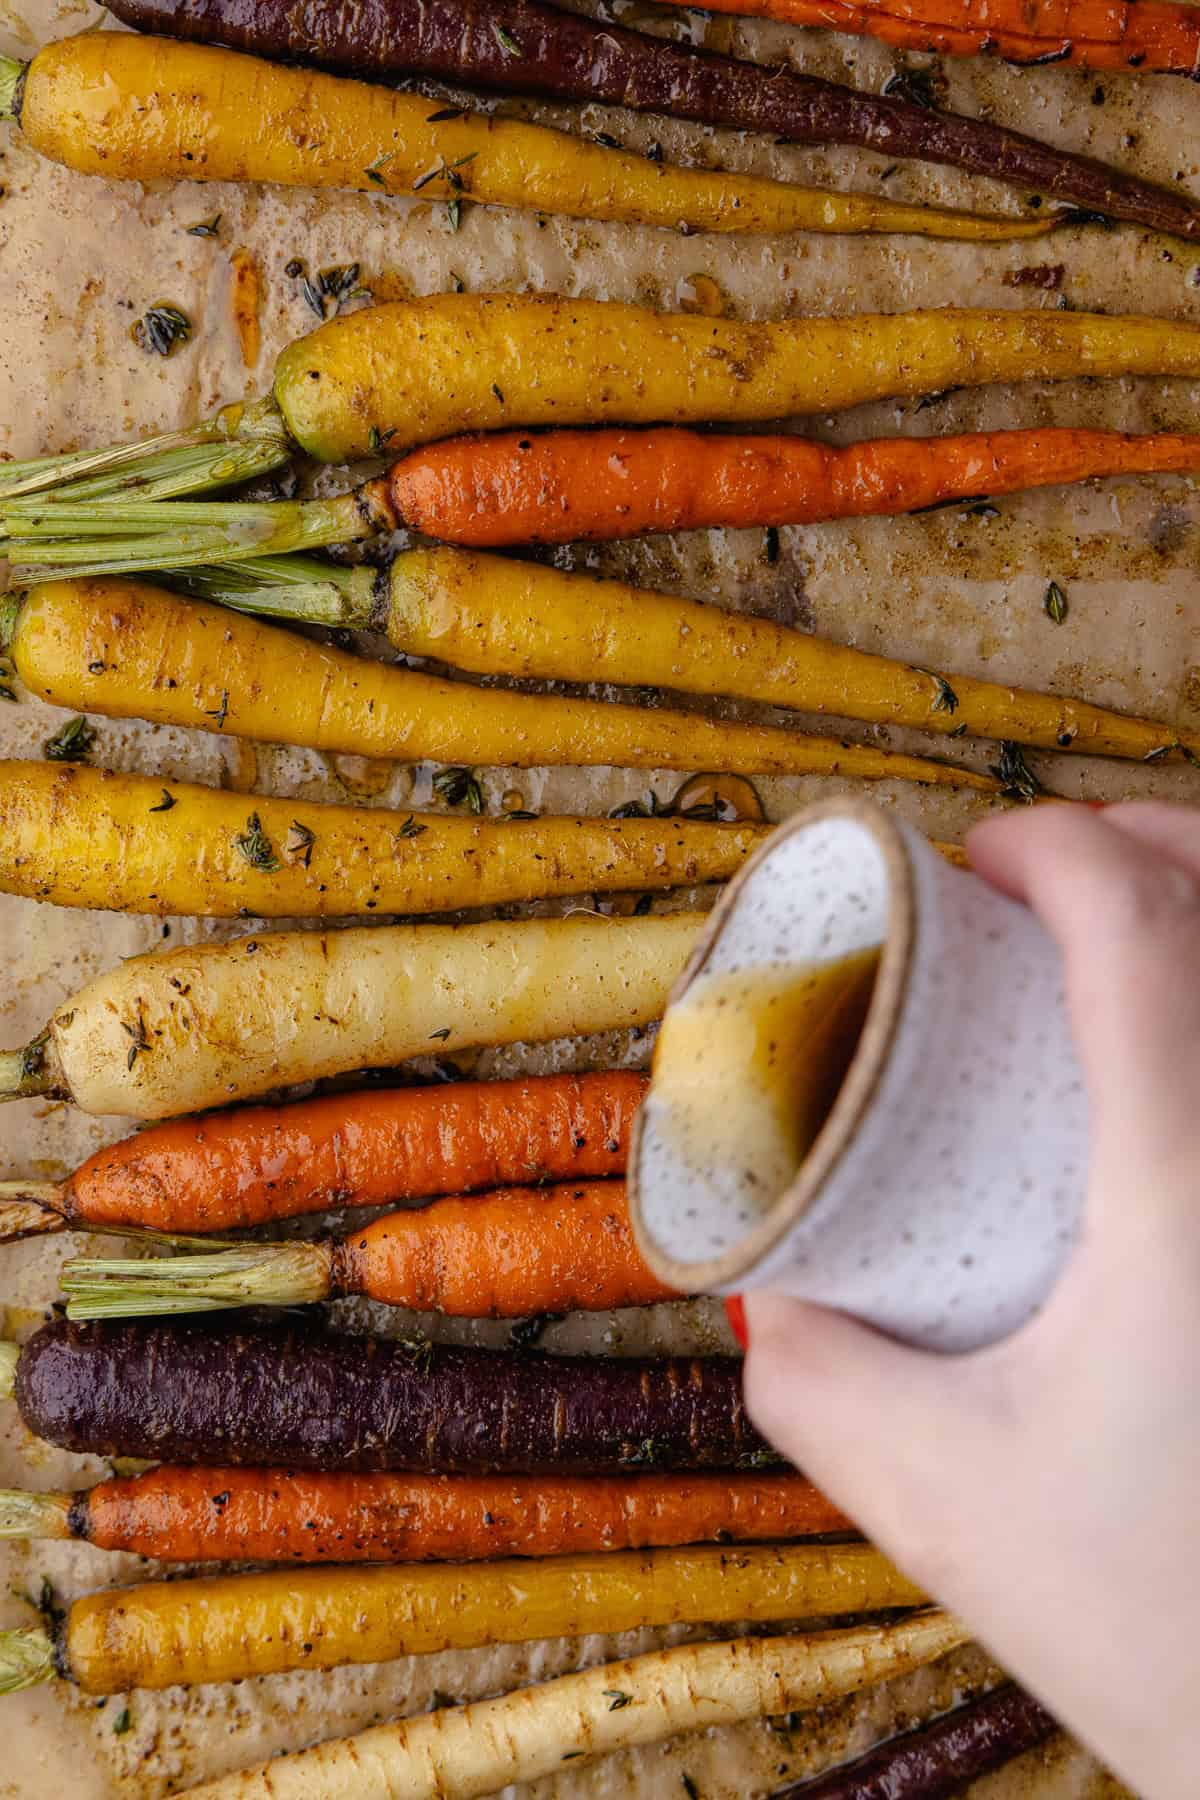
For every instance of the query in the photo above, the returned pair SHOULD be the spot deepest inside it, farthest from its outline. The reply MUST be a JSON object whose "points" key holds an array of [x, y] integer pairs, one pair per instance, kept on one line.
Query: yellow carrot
{"points": [[468, 1751], [230, 1627], [88, 837], [206, 1024], [491, 613], [414, 370], [422, 369], [146, 108], [497, 615], [129, 650]]}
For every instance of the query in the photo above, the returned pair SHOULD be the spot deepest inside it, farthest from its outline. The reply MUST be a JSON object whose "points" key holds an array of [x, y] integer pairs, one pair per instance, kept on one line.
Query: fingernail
{"points": [[735, 1312]]}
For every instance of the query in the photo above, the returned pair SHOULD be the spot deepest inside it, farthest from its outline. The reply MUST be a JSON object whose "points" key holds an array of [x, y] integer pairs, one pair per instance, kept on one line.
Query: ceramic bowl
{"points": [[943, 1192]]}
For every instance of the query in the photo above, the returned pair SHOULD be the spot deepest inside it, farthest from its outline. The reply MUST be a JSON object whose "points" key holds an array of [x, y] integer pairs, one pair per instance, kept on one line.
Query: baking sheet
{"points": [[82, 259]]}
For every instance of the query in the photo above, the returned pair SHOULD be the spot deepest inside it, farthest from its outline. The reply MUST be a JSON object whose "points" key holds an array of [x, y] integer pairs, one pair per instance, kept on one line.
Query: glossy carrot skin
{"points": [[562, 486], [284, 1515], [258, 1164], [1151, 35], [567, 57], [314, 1400], [502, 1255]]}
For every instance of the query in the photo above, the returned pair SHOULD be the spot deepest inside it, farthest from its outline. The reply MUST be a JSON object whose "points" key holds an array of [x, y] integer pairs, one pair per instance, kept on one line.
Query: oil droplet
{"points": [[389, 284], [363, 777], [699, 293], [512, 800], [722, 797]]}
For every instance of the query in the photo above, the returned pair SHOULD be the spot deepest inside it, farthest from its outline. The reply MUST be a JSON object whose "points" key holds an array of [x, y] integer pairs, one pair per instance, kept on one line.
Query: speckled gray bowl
{"points": [[943, 1193]]}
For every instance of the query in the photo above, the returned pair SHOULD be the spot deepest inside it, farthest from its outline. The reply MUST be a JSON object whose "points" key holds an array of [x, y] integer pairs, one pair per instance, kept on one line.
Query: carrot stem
{"points": [[291, 587], [25, 1515], [252, 1275], [10, 86], [29, 1071], [26, 1658], [237, 442]]}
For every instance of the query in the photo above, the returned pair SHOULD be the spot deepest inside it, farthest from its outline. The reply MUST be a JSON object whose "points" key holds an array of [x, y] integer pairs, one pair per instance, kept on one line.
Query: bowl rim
{"points": [[863, 1077]]}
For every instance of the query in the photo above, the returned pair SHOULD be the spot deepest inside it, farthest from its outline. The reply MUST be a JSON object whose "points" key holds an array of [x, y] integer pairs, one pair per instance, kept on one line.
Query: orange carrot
{"points": [[183, 1514], [1090, 34], [258, 1164], [520, 488], [502, 1255]]}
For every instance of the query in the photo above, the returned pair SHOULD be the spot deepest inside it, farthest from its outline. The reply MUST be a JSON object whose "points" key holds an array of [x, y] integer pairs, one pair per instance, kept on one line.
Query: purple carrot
{"points": [[937, 1761], [186, 1393], [524, 46]]}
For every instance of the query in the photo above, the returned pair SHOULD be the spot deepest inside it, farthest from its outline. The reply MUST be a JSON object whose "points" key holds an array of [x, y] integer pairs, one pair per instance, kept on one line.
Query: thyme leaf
{"points": [[772, 545], [454, 213], [945, 698], [72, 742], [378, 440], [256, 846], [914, 85], [206, 227], [140, 1036], [459, 787], [166, 803], [219, 713], [446, 112], [1015, 776], [505, 39], [299, 845], [1154, 756], [374, 171], [641, 1455], [447, 171], [419, 1350], [526, 1332], [1055, 603], [161, 328], [440, 1036], [122, 1723], [410, 828], [616, 1699], [339, 280]]}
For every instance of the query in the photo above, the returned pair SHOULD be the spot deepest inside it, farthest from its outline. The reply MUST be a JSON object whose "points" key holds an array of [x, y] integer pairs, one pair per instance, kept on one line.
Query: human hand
{"points": [[1048, 1488]]}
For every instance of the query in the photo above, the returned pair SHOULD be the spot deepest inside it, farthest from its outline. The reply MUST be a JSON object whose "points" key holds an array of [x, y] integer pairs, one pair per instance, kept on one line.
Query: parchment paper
{"points": [[81, 260]]}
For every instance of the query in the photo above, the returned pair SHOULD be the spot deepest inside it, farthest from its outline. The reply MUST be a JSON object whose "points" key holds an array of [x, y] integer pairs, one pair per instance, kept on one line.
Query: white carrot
{"points": [[208, 1024], [463, 1751]]}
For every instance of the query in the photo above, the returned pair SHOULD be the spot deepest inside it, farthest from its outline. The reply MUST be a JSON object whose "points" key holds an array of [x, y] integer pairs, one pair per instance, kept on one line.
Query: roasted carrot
{"points": [[1150, 35], [509, 488], [179, 1392], [206, 1024], [230, 1627], [519, 45], [414, 370], [144, 108], [940, 1760], [475, 1750], [504, 1255], [256, 1165], [80, 836], [108, 646], [493, 614], [563, 486], [178, 1514]]}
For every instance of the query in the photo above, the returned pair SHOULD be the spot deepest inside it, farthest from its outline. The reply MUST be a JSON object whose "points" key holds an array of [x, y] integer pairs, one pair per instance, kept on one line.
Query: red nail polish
{"points": [[735, 1312], [1096, 805]]}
